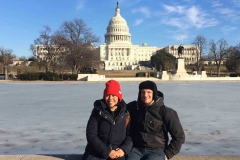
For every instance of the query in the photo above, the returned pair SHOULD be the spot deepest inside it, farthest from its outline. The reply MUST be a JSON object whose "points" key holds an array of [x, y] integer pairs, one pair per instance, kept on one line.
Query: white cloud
{"points": [[80, 4], [171, 9], [174, 22], [188, 17], [229, 14], [227, 29], [199, 19], [168, 8], [226, 11], [193, 15], [236, 3], [216, 4], [142, 10], [138, 21], [211, 23]]}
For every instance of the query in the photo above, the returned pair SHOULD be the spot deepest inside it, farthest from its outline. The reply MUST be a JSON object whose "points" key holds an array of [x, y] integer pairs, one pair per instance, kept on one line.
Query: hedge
{"points": [[143, 74], [48, 76], [29, 76], [69, 77], [234, 75]]}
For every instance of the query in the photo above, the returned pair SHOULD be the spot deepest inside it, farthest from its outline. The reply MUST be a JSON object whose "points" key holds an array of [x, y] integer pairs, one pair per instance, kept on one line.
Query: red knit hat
{"points": [[113, 87]]}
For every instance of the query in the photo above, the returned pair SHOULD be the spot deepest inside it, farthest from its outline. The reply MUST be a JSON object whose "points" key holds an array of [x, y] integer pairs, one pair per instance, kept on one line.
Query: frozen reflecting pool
{"points": [[50, 118]]}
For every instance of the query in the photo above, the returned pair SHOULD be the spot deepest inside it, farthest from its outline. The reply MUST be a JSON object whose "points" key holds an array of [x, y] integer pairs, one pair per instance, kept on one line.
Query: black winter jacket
{"points": [[150, 127], [105, 133]]}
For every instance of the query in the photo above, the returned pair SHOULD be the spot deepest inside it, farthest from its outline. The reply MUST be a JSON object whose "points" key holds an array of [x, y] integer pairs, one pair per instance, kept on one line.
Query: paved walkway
{"points": [[78, 157]]}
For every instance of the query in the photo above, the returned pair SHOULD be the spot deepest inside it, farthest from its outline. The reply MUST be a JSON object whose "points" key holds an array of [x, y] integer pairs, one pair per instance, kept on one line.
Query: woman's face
{"points": [[111, 100]]}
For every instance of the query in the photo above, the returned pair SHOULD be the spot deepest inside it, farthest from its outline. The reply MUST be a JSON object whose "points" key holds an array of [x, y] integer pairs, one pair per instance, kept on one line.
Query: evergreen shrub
{"points": [[29, 76], [143, 74], [234, 75], [69, 77], [50, 76], [140, 74]]}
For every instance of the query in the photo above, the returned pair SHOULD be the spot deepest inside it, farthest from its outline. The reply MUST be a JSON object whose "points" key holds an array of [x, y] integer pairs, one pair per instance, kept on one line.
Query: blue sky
{"points": [[155, 22]]}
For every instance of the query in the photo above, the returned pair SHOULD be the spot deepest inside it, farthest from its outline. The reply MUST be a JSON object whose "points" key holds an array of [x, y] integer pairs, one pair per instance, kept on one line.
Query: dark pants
{"points": [[87, 156], [144, 154]]}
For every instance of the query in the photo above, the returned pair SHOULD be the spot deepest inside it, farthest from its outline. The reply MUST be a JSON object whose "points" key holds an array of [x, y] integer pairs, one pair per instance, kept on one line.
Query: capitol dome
{"points": [[117, 19], [117, 30]]}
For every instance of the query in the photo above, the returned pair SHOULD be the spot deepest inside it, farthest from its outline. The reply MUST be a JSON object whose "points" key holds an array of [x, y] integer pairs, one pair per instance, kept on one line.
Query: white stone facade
{"points": [[118, 53], [124, 57], [41, 52], [189, 52]]}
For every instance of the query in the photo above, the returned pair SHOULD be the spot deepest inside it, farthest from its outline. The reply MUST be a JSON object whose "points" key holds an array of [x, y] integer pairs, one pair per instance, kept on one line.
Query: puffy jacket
{"points": [[150, 127], [104, 132]]}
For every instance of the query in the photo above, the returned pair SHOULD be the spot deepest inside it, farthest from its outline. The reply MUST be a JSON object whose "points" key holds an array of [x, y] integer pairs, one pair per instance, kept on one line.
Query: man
{"points": [[151, 121]]}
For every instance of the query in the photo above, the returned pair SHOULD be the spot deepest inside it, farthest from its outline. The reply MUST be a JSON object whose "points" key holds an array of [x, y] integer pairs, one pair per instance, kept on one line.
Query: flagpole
{"points": [[182, 38]]}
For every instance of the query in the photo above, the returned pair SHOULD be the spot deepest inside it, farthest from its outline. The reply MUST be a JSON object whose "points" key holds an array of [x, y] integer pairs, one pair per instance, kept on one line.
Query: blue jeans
{"points": [[144, 154], [87, 156]]}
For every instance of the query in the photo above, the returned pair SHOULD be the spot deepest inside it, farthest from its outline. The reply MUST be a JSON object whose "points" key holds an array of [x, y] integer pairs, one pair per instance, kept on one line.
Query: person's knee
{"points": [[87, 156], [134, 155], [122, 158], [156, 155]]}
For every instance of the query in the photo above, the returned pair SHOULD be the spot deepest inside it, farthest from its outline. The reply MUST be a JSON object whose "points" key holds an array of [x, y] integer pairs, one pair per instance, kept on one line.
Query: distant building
{"points": [[17, 62], [55, 52], [40, 52], [189, 52], [213, 62], [118, 53]]}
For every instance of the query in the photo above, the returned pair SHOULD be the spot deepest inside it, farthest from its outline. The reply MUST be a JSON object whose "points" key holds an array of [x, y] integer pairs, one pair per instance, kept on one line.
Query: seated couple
{"points": [[134, 131]]}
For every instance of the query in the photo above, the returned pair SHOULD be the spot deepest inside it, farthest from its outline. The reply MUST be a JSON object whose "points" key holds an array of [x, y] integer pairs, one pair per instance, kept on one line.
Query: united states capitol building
{"points": [[118, 53]]}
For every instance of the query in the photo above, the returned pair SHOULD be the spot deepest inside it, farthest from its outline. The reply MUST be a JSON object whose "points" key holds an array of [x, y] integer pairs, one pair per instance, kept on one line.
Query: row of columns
{"points": [[119, 38], [119, 51], [119, 63]]}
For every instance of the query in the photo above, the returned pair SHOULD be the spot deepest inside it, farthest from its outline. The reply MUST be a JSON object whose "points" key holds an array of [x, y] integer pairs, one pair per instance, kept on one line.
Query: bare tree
{"points": [[22, 58], [200, 46], [79, 41], [96, 63], [6, 57], [47, 48], [34, 62], [209, 57], [233, 58], [219, 51]]}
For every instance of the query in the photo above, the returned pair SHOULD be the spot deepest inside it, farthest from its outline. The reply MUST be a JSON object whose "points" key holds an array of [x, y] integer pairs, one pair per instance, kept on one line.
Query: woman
{"points": [[107, 128]]}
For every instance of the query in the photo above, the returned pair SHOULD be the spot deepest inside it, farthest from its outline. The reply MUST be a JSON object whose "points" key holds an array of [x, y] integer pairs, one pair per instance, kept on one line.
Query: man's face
{"points": [[146, 96]]}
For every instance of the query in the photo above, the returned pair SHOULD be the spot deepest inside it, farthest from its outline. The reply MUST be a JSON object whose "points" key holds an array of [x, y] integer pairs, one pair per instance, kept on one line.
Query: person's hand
{"points": [[120, 152], [113, 154], [166, 158]]}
